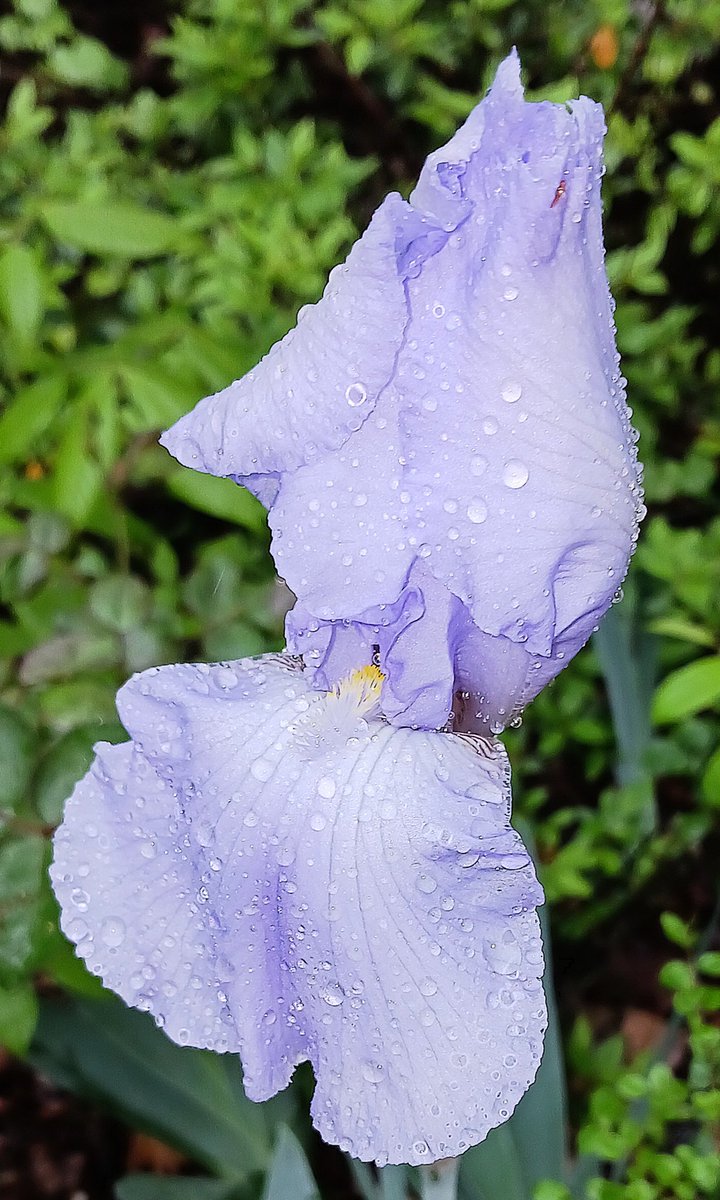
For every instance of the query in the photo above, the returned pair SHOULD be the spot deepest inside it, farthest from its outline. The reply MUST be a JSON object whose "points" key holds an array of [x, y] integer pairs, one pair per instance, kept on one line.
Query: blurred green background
{"points": [[176, 179]]}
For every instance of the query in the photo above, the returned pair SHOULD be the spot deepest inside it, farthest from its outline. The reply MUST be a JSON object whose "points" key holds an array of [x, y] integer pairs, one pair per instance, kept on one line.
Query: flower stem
{"points": [[439, 1182]]}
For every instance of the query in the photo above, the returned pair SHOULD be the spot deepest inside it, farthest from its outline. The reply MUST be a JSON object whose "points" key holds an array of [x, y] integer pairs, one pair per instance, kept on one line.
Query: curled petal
{"points": [[358, 893], [319, 384]]}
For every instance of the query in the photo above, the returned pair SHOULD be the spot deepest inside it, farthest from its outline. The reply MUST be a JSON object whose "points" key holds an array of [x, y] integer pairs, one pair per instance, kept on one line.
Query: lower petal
{"points": [[362, 884]]}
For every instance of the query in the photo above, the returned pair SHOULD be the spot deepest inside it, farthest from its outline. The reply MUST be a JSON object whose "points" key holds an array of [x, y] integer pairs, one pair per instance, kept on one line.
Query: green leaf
{"points": [[17, 743], [155, 1187], [677, 931], [77, 477], [28, 415], [86, 62], [62, 767], [192, 1099], [106, 228], [22, 861], [627, 659], [219, 498], [18, 1016], [709, 963], [688, 690], [159, 399], [289, 1175], [120, 602], [20, 290], [710, 783]]}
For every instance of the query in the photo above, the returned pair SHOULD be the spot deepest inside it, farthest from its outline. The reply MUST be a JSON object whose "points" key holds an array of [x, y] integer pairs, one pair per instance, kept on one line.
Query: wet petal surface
{"points": [[494, 454], [336, 890]]}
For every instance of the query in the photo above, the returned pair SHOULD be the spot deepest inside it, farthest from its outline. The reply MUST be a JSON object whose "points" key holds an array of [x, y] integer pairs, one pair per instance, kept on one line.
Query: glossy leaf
{"points": [[289, 1175], [107, 228], [688, 690], [191, 1099]]}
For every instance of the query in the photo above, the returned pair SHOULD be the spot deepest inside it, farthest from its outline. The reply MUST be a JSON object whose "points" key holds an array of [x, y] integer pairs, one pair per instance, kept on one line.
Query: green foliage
{"points": [[162, 218]]}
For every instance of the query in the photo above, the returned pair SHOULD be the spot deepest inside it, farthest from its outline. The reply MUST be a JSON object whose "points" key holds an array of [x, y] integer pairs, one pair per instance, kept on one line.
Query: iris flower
{"points": [[309, 856]]}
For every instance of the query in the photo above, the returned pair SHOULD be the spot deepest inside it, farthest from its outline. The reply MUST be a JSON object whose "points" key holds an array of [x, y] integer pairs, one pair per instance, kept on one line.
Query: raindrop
{"points": [[426, 883], [356, 394], [112, 932], [503, 955], [477, 512], [333, 994], [511, 392], [261, 769], [515, 474]]}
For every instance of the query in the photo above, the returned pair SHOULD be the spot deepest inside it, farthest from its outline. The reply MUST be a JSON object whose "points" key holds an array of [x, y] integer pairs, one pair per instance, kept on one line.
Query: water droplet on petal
{"points": [[515, 474], [356, 394], [261, 769], [477, 512], [511, 391], [332, 994], [112, 932]]}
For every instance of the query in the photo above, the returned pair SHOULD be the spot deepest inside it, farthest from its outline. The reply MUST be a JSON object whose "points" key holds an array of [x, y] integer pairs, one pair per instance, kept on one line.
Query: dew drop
{"points": [[515, 473], [356, 394], [261, 769], [332, 994], [511, 391], [426, 883], [477, 512], [112, 932]]}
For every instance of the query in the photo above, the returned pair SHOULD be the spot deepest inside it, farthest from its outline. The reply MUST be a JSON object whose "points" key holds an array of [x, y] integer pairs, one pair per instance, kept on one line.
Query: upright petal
{"points": [[371, 906], [319, 384], [498, 457]]}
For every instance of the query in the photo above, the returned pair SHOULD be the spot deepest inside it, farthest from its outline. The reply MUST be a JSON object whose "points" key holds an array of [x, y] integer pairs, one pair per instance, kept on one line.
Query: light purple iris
{"points": [[275, 864], [443, 440]]}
